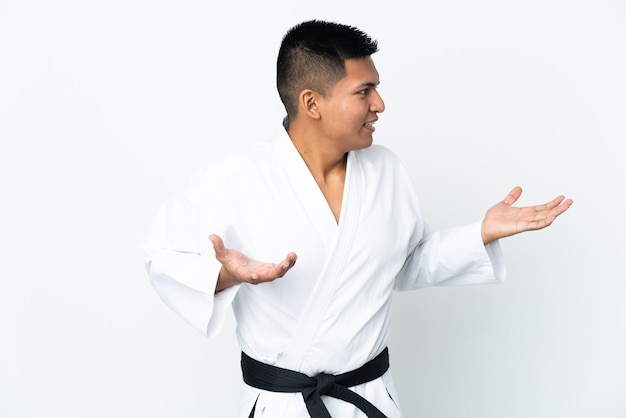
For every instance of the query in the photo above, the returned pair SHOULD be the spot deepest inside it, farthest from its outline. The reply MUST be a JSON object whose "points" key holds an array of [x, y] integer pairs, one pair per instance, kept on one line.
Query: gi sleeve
{"points": [[180, 260], [451, 257]]}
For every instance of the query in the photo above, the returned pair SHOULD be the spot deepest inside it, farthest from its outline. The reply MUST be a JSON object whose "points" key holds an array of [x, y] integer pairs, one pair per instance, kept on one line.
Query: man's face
{"points": [[349, 113]]}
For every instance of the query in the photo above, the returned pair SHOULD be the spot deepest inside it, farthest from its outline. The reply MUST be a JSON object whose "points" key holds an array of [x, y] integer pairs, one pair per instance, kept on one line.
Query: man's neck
{"points": [[323, 160], [327, 165]]}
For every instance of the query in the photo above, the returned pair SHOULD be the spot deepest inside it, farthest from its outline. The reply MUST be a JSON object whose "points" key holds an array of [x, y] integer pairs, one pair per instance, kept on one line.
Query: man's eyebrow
{"points": [[369, 84]]}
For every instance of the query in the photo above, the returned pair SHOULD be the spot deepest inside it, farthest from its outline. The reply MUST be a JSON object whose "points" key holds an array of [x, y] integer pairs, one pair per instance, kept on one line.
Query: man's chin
{"points": [[366, 143]]}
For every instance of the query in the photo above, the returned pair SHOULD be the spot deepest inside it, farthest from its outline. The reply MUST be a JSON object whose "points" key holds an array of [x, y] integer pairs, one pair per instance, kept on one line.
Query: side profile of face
{"points": [[348, 114]]}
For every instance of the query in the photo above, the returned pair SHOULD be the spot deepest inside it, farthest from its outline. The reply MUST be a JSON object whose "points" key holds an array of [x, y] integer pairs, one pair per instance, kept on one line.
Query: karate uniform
{"points": [[330, 313]]}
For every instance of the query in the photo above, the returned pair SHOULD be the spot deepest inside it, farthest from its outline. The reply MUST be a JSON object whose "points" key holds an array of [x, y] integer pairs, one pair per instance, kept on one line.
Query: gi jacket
{"points": [[330, 313]]}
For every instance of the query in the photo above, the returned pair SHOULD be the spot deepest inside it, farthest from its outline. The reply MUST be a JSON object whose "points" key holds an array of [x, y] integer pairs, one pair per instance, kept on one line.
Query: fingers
{"points": [[558, 202], [267, 272], [561, 205], [279, 270], [556, 206], [554, 202], [548, 212], [288, 262]]}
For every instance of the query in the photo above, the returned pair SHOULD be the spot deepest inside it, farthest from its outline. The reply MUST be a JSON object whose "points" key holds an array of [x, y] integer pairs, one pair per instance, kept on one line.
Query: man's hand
{"points": [[238, 268], [503, 219]]}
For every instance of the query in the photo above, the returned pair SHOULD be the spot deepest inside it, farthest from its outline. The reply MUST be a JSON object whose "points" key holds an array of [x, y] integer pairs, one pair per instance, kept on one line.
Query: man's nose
{"points": [[377, 105]]}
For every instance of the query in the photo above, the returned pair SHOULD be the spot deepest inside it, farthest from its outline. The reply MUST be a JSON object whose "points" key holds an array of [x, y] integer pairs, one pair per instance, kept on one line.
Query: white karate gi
{"points": [[331, 311]]}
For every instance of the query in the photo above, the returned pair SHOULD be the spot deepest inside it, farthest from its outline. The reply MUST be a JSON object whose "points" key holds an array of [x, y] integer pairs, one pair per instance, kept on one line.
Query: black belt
{"points": [[276, 379]]}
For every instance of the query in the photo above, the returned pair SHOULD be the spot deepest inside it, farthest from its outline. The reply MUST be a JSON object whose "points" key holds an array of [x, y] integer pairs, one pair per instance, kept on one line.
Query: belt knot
{"points": [[325, 382], [276, 379]]}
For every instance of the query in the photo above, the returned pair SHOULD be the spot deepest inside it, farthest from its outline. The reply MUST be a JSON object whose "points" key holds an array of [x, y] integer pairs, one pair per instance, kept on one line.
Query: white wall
{"points": [[107, 107]]}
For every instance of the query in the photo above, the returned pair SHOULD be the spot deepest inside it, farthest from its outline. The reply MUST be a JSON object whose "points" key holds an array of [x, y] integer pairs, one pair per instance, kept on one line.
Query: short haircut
{"points": [[312, 56]]}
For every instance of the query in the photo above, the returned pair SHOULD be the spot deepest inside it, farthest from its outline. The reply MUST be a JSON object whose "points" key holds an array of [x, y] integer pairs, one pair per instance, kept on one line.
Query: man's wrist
{"points": [[225, 280]]}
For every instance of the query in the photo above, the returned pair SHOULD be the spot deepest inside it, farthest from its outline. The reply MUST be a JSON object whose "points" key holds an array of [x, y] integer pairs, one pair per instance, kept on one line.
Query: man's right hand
{"points": [[239, 268]]}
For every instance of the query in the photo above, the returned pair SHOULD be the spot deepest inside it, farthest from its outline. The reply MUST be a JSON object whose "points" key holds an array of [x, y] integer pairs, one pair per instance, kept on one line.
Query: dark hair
{"points": [[312, 56]]}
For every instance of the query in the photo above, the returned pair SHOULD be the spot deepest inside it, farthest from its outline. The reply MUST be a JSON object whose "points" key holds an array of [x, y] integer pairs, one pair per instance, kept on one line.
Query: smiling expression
{"points": [[352, 108]]}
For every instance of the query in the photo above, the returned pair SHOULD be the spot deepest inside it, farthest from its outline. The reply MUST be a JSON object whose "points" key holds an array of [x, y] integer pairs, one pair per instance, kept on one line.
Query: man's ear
{"points": [[309, 103]]}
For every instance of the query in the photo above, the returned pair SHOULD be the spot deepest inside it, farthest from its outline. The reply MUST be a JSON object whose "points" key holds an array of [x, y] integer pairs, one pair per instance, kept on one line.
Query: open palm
{"points": [[503, 219], [239, 268]]}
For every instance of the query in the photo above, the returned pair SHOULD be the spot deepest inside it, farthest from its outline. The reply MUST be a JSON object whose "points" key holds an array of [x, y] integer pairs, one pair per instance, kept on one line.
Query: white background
{"points": [[106, 108]]}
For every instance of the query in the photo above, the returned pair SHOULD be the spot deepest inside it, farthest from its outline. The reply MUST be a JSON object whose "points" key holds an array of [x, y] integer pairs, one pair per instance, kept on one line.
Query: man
{"points": [[347, 208]]}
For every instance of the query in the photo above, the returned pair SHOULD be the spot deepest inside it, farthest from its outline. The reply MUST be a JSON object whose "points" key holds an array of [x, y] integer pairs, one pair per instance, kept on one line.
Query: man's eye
{"points": [[364, 91]]}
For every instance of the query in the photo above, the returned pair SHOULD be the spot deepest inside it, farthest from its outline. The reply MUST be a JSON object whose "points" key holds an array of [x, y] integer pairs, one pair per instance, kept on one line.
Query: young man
{"points": [[347, 208]]}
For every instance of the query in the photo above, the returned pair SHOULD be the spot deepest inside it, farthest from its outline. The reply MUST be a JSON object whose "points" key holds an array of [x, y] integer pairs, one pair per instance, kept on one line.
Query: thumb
{"points": [[218, 244], [513, 196]]}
